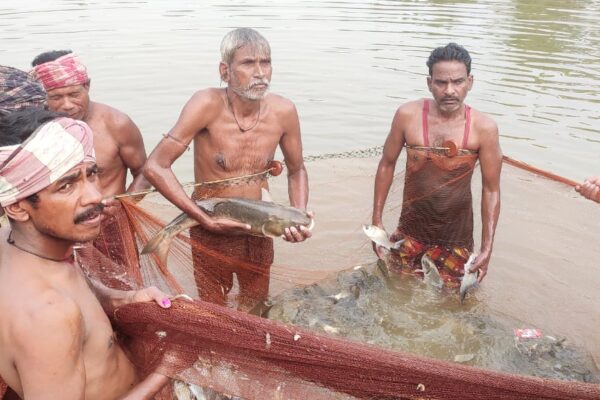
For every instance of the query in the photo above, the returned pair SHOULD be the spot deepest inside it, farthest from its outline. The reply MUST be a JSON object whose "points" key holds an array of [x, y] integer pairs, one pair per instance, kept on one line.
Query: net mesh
{"points": [[241, 354]]}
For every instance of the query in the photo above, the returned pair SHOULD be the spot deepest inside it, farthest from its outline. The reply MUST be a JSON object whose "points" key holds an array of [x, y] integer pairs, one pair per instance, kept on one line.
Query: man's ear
{"points": [[17, 212], [87, 84], [470, 79], [224, 71], [429, 82]]}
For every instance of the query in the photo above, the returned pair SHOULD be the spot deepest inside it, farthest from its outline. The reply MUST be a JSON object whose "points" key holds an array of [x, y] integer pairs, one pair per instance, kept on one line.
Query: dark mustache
{"points": [[449, 98], [88, 214]]}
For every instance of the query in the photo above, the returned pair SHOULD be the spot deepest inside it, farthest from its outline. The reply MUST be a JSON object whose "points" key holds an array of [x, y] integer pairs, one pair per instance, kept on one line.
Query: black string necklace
{"points": [[235, 118], [11, 241]]}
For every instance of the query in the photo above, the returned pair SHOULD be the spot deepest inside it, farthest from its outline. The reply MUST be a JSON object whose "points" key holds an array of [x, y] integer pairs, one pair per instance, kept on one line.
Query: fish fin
{"points": [[208, 205], [397, 245], [311, 225], [265, 195]]}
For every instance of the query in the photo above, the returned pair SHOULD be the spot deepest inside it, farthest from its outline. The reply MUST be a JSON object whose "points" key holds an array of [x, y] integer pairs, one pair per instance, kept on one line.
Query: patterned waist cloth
{"points": [[450, 261]]}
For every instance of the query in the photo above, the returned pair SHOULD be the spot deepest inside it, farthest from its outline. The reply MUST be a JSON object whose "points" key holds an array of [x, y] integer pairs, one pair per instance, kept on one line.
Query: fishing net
{"points": [[244, 355]]}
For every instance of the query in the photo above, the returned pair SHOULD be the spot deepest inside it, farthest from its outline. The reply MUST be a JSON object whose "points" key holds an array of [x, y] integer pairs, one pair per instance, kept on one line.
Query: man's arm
{"points": [[132, 153], [385, 170], [112, 298], [194, 117], [291, 147], [490, 159], [48, 350], [590, 188]]}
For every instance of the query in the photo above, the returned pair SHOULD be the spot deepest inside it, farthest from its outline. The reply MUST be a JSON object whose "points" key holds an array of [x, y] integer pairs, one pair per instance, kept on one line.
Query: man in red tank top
{"points": [[444, 139]]}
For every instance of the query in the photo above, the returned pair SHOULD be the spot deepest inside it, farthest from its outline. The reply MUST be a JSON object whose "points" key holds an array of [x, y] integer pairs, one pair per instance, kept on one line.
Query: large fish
{"points": [[469, 279], [379, 236], [264, 217]]}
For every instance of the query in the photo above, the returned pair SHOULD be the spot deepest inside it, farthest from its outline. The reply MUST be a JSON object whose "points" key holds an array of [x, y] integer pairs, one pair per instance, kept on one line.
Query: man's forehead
{"points": [[252, 50], [449, 69], [82, 165], [66, 89]]}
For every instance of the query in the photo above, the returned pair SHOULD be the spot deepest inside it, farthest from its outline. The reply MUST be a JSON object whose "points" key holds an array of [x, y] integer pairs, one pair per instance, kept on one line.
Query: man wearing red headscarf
{"points": [[117, 140]]}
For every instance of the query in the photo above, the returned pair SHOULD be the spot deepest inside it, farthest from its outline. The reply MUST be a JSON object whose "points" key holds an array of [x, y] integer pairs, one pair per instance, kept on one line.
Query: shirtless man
{"points": [[117, 141], [590, 188], [235, 132], [437, 215], [56, 341]]}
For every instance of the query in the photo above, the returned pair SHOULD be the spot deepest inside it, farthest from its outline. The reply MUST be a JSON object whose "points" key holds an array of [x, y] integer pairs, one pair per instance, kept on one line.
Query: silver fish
{"points": [[380, 236], [469, 279], [264, 217], [431, 275]]}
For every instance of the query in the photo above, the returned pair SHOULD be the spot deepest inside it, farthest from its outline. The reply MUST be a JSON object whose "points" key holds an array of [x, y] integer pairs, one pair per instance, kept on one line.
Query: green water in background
{"points": [[346, 64]]}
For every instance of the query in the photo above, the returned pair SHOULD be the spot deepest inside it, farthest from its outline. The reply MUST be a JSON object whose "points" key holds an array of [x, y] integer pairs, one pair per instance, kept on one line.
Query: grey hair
{"points": [[239, 38]]}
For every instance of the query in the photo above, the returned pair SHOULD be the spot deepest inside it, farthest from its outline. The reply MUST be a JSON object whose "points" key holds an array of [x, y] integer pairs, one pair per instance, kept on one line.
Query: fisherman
{"points": [[235, 131], [117, 141], [590, 188], [57, 341], [444, 138]]}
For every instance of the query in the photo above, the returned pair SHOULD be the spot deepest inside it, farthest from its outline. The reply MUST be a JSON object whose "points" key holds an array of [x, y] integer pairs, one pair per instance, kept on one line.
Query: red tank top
{"points": [[437, 207]]}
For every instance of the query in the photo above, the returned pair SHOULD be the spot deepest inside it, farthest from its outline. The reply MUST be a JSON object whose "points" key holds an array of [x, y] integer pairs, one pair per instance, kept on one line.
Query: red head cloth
{"points": [[64, 71], [49, 153]]}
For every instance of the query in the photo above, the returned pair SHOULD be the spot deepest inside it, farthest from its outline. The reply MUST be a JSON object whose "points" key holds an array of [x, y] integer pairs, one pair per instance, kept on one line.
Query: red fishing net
{"points": [[240, 354]]}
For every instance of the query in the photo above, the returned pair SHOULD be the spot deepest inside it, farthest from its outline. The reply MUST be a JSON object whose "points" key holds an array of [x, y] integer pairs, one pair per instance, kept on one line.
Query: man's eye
{"points": [[65, 187]]}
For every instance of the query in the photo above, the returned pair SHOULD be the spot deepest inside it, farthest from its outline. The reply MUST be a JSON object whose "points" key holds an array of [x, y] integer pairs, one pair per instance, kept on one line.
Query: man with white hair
{"points": [[235, 131]]}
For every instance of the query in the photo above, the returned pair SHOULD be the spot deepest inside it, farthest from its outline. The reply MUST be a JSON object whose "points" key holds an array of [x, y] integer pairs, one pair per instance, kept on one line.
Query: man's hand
{"points": [[226, 226], [150, 293], [481, 264], [111, 206], [297, 234], [590, 189]]}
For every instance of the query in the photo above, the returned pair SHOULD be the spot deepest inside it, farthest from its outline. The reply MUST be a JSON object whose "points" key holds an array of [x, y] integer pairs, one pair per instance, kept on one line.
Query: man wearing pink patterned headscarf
{"points": [[117, 140], [57, 341]]}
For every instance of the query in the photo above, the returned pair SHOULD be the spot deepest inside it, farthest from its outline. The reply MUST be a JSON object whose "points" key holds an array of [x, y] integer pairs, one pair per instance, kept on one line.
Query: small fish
{"points": [[431, 275], [383, 268], [469, 279], [264, 217], [380, 236]]}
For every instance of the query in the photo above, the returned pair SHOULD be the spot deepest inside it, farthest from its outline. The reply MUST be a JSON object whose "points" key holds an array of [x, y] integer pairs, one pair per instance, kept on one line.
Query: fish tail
{"points": [[160, 245]]}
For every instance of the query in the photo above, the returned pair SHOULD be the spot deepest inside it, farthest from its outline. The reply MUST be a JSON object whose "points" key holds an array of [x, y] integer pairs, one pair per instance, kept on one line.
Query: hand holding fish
{"points": [[590, 189], [481, 264], [297, 234], [225, 226]]}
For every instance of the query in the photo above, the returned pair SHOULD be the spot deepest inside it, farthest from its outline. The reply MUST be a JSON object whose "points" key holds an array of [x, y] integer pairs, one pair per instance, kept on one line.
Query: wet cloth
{"points": [[18, 90], [450, 262], [64, 71], [217, 258], [50, 152], [437, 206]]}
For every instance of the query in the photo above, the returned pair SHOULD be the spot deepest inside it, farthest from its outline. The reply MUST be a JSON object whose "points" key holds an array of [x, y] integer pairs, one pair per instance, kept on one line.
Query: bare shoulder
{"points": [[113, 119], [410, 107], [280, 104], [210, 97], [483, 124], [48, 314]]}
